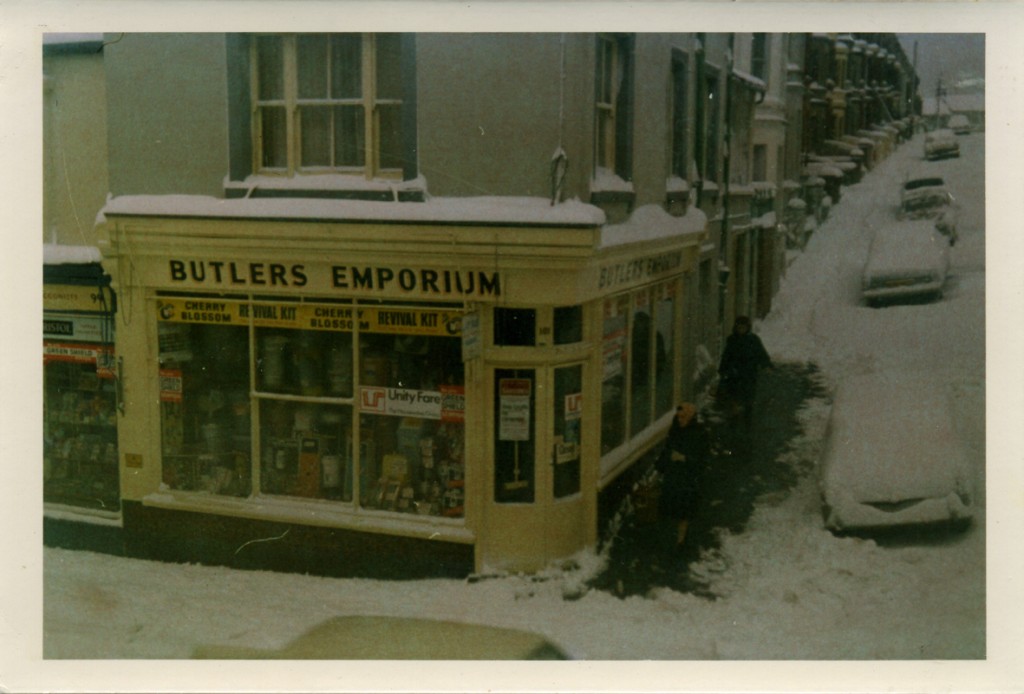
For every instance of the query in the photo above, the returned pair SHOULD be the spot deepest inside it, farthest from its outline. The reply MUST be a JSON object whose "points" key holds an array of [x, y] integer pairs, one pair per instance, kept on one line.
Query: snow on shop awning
{"points": [[652, 222], [58, 254], [515, 211]]}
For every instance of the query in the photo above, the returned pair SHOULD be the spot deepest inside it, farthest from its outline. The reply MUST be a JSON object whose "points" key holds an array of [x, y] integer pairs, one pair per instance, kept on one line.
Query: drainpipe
{"points": [[723, 244]]}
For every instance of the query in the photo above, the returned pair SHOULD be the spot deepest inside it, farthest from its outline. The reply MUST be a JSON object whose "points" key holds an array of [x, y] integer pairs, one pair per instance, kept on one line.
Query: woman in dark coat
{"points": [[743, 357], [681, 465]]}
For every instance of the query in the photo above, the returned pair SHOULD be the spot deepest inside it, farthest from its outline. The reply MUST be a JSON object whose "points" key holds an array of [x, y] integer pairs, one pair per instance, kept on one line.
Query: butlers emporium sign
{"points": [[353, 279]]}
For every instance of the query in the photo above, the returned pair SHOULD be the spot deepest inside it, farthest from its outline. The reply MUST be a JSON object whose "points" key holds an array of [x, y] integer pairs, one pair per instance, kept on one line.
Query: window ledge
{"points": [[327, 186], [316, 512]]}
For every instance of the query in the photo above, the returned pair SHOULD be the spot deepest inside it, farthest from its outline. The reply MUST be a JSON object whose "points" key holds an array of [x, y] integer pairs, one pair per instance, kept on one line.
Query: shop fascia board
{"points": [[151, 234]]}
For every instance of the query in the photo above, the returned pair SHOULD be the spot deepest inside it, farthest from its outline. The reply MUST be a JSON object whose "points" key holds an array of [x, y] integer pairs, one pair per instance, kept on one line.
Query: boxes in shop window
{"points": [[308, 482]]}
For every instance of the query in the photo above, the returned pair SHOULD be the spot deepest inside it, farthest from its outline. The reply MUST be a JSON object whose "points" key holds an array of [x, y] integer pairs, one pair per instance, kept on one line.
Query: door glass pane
{"points": [[514, 435], [640, 385], [568, 415], [270, 67], [315, 125], [311, 57], [614, 353], [346, 66], [349, 136]]}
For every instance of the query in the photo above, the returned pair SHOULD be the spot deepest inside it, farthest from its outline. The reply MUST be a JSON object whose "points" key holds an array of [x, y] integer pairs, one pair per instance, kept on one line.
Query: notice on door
{"points": [[514, 413]]}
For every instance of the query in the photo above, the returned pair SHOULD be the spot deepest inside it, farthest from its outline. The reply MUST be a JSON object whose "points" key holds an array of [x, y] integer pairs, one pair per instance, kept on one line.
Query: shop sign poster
{"points": [[613, 352], [566, 451], [170, 385], [573, 406], [471, 345], [401, 402], [514, 413], [453, 403]]}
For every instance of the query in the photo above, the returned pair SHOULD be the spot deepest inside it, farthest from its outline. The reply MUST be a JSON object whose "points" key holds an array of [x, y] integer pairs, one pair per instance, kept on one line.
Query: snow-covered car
{"points": [[939, 144], [959, 124], [927, 197], [905, 260], [893, 457]]}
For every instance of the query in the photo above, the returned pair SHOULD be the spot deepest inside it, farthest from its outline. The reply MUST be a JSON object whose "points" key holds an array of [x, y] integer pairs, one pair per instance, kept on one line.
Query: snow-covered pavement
{"points": [[789, 589]]}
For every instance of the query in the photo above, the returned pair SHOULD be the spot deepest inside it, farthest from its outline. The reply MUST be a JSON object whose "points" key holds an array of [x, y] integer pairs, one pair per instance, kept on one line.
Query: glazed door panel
{"points": [[534, 512]]}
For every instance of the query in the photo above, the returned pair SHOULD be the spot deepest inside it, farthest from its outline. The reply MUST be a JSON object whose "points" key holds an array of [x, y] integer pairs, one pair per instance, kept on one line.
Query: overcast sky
{"points": [[949, 56]]}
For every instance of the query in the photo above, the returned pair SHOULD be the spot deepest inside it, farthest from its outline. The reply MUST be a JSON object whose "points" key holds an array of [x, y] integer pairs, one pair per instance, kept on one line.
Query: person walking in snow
{"points": [[681, 465], [742, 360]]}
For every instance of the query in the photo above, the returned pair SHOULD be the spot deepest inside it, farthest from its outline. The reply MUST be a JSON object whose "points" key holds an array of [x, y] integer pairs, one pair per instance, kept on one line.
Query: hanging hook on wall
{"points": [[559, 166]]}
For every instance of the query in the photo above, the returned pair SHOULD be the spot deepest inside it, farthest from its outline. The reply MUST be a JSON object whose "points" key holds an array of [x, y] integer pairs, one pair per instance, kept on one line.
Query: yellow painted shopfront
{"points": [[344, 392]]}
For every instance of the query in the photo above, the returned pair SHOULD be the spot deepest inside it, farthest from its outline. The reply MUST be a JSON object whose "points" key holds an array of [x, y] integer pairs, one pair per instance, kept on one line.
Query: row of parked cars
{"points": [[909, 258], [892, 454]]}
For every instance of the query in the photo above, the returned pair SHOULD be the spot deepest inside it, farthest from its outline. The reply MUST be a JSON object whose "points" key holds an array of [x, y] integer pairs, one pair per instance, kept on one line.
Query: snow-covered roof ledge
{"points": [[515, 211], [756, 82], [607, 181], [650, 223], [323, 182], [59, 254], [677, 184]]}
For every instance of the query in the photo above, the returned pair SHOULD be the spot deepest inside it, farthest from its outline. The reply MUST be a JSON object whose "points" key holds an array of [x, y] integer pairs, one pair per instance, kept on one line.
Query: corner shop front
{"points": [[456, 388]]}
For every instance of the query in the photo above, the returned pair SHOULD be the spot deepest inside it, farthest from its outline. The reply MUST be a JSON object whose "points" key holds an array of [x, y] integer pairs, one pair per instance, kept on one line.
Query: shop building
{"points": [[464, 383]]}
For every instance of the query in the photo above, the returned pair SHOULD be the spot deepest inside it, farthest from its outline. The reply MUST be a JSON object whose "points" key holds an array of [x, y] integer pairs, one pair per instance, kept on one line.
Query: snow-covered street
{"points": [[788, 588]]}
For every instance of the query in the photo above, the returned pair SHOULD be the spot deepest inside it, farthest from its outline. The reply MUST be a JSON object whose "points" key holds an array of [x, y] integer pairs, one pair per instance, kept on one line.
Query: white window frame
{"points": [[292, 105]]}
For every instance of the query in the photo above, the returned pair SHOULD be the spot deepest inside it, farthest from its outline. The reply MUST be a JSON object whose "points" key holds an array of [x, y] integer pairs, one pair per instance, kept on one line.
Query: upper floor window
{"points": [[759, 56], [327, 103], [680, 114], [613, 105], [709, 112]]}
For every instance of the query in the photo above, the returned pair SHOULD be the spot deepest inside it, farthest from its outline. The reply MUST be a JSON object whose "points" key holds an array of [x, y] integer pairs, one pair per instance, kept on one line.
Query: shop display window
{"points": [[306, 450], [356, 404], [664, 364], [568, 324], [515, 327], [639, 340], [80, 462], [568, 409], [641, 362], [412, 400], [615, 351], [205, 408]]}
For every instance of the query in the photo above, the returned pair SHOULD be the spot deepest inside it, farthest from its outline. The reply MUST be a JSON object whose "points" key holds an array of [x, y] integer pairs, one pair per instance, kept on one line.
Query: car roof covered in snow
{"points": [[891, 433]]}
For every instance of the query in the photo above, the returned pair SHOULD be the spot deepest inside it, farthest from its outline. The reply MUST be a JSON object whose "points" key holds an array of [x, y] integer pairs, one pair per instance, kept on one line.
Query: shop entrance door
{"points": [[535, 510]]}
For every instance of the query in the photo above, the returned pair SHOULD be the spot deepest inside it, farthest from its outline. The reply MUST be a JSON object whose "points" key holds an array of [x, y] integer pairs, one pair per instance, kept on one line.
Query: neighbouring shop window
{"points": [[328, 102], [515, 435], [614, 354], [205, 420], [515, 327], [80, 463], [568, 324], [568, 409], [380, 423]]}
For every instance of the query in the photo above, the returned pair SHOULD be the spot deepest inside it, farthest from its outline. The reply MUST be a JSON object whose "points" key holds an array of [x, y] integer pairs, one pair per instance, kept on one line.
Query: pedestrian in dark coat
{"points": [[681, 465], [742, 359]]}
